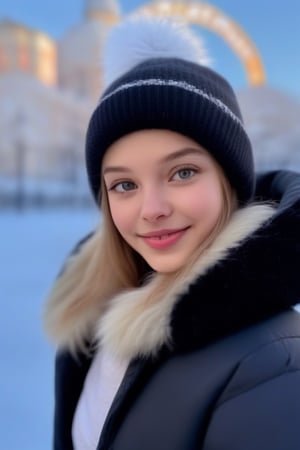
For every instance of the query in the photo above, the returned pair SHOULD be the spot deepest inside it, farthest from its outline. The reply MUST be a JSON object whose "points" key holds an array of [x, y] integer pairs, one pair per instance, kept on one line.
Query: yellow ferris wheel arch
{"points": [[208, 16]]}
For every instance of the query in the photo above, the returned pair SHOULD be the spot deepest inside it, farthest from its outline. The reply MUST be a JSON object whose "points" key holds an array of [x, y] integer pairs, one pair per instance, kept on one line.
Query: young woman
{"points": [[174, 320]]}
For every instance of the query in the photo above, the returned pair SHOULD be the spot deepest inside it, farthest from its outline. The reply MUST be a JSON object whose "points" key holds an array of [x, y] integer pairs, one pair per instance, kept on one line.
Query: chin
{"points": [[167, 268]]}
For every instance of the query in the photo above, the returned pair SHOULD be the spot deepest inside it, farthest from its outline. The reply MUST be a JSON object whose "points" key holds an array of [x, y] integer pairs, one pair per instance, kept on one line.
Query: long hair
{"points": [[104, 266]]}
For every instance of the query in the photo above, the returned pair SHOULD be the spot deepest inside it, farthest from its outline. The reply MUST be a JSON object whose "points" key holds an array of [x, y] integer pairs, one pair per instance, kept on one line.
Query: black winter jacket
{"points": [[217, 365]]}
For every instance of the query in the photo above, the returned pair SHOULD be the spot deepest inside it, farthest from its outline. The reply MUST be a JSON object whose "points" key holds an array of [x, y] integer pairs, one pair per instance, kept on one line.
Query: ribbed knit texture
{"points": [[169, 93]]}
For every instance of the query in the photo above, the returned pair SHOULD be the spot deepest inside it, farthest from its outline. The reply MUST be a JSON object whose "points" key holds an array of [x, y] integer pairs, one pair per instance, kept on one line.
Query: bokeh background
{"points": [[50, 82]]}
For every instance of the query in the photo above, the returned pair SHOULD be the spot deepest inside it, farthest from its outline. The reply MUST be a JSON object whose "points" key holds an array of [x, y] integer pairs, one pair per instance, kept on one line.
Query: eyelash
{"points": [[190, 169], [177, 171], [119, 183]]}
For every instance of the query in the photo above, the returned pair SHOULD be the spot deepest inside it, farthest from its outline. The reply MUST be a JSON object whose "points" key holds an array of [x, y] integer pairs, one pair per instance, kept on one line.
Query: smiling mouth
{"points": [[162, 234], [164, 238]]}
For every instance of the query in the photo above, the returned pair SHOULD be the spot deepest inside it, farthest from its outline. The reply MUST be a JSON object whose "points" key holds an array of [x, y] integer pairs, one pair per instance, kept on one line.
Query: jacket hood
{"points": [[249, 273]]}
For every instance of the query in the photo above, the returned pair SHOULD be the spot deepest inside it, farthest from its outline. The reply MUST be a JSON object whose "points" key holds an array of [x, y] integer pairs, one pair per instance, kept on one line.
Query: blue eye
{"points": [[184, 174], [124, 186]]}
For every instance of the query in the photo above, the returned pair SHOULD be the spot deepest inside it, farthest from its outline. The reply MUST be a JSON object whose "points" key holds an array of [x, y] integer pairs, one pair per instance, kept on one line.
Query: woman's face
{"points": [[164, 193]]}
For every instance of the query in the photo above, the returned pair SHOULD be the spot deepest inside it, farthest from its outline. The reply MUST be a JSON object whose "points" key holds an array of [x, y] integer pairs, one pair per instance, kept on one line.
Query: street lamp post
{"points": [[20, 161]]}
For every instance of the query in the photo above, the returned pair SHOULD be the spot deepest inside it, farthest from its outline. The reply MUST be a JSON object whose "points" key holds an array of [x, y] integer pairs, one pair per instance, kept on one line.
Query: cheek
{"points": [[121, 216], [206, 201]]}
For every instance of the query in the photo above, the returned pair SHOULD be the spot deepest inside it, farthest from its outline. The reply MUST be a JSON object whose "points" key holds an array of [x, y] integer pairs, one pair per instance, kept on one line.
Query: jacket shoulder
{"points": [[259, 407], [272, 349], [273, 360]]}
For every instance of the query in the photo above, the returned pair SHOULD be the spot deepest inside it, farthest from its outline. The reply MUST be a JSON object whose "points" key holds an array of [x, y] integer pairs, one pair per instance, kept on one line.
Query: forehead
{"points": [[149, 144]]}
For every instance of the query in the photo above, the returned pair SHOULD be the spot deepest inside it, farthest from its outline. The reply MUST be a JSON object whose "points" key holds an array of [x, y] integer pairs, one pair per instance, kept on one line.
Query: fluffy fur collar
{"points": [[250, 272]]}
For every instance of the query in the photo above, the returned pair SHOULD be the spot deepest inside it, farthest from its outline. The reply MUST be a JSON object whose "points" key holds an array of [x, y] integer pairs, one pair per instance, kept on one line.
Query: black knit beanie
{"points": [[178, 95]]}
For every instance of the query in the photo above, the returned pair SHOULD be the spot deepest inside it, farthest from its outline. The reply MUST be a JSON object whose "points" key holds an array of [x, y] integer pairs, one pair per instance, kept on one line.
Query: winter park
{"points": [[50, 82]]}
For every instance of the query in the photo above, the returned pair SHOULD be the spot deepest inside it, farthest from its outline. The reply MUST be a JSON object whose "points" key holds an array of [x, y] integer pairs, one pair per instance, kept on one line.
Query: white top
{"points": [[101, 384]]}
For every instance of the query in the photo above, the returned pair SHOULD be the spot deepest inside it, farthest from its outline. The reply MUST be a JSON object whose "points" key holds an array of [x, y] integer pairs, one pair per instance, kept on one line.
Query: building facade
{"points": [[48, 90]]}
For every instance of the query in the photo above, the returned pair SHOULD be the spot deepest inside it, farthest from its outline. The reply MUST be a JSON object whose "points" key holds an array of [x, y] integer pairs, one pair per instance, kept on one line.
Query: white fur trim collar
{"points": [[134, 327]]}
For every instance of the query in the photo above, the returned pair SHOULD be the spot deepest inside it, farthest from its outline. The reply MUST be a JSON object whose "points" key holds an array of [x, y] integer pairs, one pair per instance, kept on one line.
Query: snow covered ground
{"points": [[33, 246]]}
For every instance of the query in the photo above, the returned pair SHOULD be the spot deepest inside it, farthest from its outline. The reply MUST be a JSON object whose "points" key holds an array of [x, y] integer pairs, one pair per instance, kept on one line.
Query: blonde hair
{"points": [[104, 266]]}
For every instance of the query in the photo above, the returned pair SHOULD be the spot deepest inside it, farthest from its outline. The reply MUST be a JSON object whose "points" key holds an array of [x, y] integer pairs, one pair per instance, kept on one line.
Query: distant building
{"points": [[48, 90], [26, 50], [80, 49], [272, 121], [73, 63]]}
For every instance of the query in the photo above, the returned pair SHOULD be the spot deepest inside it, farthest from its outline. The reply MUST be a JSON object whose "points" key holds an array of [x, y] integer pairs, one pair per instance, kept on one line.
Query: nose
{"points": [[156, 204]]}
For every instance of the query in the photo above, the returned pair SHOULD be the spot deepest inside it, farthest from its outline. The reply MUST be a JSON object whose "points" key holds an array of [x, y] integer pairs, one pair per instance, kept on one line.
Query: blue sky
{"points": [[274, 27]]}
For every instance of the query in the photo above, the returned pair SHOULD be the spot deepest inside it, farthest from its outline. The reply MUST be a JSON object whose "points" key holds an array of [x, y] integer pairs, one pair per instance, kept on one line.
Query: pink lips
{"points": [[163, 238]]}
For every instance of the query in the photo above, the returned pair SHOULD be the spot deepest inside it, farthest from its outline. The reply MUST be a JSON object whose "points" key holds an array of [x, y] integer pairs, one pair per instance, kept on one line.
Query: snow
{"points": [[33, 247]]}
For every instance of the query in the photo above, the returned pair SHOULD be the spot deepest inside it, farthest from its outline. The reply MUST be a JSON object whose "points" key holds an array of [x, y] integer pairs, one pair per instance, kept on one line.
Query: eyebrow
{"points": [[181, 153], [112, 169], [171, 157]]}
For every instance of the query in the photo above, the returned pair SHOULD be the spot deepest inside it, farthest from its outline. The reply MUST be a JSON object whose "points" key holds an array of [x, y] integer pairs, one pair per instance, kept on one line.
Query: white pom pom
{"points": [[139, 38]]}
